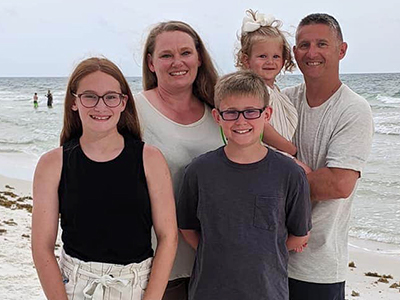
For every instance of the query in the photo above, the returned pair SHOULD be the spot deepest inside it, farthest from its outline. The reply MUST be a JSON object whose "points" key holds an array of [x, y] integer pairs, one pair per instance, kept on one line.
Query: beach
{"points": [[373, 257], [27, 133], [18, 276], [19, 279]]}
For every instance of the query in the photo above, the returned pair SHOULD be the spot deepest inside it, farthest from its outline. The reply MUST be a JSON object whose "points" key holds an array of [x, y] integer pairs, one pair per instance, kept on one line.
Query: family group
{"points": [[203, 187]]}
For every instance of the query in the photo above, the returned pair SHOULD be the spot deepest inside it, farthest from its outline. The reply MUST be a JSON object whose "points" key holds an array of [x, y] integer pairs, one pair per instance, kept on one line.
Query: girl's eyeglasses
{"points": [[89, 100]]}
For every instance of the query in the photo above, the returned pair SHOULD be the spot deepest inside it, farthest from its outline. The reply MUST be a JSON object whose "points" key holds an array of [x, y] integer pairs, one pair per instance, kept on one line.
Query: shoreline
{"points": [[373, 257], [18, 166], [16, 262], [18, 186]]}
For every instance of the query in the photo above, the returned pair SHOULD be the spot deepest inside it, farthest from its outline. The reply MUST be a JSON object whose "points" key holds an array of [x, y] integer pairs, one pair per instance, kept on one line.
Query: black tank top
{"points": [[105, 206]]}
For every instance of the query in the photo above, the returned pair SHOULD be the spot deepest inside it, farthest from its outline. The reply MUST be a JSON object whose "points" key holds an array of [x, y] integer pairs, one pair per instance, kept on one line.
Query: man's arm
{"points": [[332, 183], [348, 150]]}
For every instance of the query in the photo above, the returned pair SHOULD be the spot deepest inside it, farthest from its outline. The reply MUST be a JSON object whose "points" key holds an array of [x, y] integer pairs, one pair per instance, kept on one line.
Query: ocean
{"points": [[26, 133]]}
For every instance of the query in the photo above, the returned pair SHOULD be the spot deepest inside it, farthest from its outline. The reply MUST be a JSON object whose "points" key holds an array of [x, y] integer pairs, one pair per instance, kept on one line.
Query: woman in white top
{"points": [[175, 111]]}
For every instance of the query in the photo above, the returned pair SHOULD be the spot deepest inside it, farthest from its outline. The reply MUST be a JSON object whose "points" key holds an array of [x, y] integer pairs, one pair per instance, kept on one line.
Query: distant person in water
{"points": [[35, 101], [49, 99]]}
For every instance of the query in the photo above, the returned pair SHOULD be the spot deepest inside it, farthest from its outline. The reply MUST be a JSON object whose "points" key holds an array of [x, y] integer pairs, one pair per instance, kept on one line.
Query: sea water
{"points": [[26, 133]]}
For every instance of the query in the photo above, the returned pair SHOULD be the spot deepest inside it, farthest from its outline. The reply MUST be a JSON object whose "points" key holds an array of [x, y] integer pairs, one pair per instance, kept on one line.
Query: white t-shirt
{"points": [[336, 134], [180, 144]]}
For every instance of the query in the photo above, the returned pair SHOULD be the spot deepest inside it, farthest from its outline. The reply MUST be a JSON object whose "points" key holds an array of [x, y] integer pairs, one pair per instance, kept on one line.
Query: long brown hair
{"points": [[72, 127], [203, 86]]}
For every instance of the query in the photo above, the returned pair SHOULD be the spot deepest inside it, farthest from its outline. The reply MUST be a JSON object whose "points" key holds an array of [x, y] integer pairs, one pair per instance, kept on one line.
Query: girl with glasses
{"points": [[109, 189]]}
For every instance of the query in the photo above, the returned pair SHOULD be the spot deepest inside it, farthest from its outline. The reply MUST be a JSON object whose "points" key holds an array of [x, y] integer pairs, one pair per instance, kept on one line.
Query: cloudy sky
{"points": [[48, 37]]}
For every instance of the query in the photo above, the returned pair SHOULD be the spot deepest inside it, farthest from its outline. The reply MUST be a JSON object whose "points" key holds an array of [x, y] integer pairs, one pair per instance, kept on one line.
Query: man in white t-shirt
{"points": [[334, 138]]}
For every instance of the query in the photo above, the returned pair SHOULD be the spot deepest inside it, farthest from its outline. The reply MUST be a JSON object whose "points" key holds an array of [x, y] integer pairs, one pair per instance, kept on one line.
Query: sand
{"points": [[383, 259], [18, 277], [19, 280]]}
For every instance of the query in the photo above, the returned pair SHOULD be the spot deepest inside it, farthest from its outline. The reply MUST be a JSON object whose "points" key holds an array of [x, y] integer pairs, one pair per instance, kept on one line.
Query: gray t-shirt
{"points": [[336, 134], [244, 213]]}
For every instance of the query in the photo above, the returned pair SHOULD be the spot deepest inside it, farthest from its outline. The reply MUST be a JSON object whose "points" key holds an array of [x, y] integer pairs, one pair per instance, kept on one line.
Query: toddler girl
{"points": [[265, 50]]}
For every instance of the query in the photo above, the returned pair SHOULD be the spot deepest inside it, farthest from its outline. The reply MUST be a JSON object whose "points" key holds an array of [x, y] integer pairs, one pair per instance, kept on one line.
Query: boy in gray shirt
{"points": [[238, 204]]}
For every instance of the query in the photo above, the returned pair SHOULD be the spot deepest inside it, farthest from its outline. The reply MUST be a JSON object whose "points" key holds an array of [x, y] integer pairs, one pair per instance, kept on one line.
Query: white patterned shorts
{"points": [[103, 281]]}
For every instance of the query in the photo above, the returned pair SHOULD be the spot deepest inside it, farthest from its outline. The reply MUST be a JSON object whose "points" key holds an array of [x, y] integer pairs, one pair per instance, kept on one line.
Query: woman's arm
{"points": [[45, 223], [274, 139], [164, 220], [191, 237]]}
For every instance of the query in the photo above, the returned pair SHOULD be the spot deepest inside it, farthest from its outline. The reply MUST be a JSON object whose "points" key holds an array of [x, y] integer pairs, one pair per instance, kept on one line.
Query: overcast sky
{"points": [[48, 37]]}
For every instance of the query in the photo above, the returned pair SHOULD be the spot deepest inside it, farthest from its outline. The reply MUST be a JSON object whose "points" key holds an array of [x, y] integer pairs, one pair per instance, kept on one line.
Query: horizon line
{"points": [[136, 76]]}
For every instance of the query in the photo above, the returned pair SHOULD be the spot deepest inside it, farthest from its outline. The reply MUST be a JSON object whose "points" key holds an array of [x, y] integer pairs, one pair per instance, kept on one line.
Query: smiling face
{"points": [[266, 59], [100, 118], [318, 52], [175, 60], [242, 133]]}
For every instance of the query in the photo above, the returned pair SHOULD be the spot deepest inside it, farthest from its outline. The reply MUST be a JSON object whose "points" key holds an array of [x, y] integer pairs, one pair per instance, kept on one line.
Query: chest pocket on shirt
{"points": [[266, 212]]}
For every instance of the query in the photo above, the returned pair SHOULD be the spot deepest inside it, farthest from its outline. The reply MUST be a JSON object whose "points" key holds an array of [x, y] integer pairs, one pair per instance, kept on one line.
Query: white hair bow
{"points": [[250, 25]]}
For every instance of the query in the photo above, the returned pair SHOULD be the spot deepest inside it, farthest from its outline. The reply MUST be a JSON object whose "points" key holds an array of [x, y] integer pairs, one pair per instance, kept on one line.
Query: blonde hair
{"points": [[248, 39], [203, 86], [241, 83], [72, 127]]}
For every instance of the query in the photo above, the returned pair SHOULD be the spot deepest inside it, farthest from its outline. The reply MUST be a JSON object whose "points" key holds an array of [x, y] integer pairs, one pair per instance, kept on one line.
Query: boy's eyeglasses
{"points": [[90, 100], [248, 114]]}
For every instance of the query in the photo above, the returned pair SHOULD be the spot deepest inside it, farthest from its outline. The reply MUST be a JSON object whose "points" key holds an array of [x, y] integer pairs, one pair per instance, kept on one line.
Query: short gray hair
{"points": [[320, 18]]}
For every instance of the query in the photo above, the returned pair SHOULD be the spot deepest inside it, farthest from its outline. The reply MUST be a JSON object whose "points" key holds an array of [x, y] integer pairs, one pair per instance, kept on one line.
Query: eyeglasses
{"points": [[89, 100], [248, 114]]}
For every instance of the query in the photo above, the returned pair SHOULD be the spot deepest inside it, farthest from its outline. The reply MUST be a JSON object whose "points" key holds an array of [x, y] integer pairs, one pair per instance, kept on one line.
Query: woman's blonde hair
{"points": [[248, 39], [203, 86]]}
